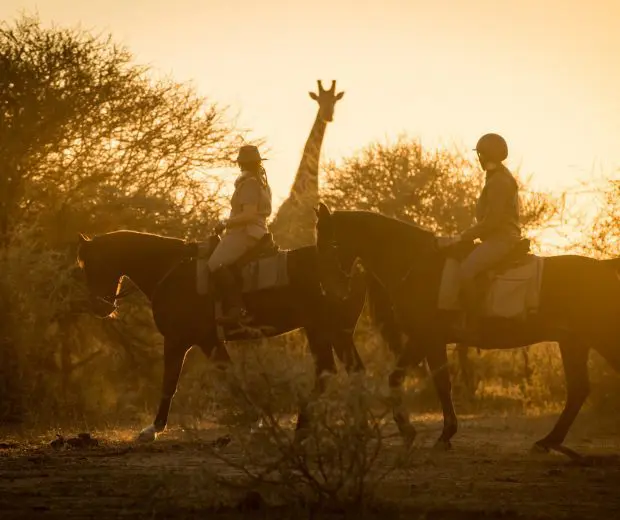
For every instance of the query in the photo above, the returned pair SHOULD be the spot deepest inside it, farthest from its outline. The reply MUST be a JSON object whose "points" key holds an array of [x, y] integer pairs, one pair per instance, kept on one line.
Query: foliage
{"points": [[90, 142], [436, 189], [341, 459], [604, 233], [90, 139]]}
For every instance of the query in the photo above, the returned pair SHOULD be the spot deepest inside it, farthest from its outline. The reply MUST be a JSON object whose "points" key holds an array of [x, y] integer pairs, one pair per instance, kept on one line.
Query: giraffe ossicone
{"points": [[293, 224]]}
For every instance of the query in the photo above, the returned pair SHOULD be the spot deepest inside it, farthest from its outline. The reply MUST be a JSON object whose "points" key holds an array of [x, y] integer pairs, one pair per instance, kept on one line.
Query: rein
{"points": [[190, 251], [119, 295]]}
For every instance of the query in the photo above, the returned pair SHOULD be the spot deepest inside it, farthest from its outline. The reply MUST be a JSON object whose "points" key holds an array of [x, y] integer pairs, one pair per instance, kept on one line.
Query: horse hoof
{"points": [[558, 448], [442, 445], [406, 429], [540, 447], [148, 434]]}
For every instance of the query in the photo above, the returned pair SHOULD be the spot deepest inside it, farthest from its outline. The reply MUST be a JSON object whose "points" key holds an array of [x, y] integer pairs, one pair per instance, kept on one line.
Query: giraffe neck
{"points": [[306, 183], [293, 224]]}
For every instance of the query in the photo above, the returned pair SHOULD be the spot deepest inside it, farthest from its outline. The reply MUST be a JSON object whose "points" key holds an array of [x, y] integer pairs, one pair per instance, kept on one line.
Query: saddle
{"points": [[263, 266], [519, 254], [509, 289], [266, 246]]}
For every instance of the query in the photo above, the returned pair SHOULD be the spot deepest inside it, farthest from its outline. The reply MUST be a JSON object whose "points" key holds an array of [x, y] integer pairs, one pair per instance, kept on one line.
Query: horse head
{"points": [[334, 264], [102, 275]]}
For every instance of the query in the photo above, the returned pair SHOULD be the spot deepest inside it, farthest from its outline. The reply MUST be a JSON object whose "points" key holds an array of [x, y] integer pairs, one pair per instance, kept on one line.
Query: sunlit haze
{"points": [[544, 73]]}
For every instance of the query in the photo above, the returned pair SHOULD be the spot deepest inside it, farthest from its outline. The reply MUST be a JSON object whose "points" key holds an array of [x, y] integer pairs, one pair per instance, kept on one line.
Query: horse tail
{"points": [[381, 311]]}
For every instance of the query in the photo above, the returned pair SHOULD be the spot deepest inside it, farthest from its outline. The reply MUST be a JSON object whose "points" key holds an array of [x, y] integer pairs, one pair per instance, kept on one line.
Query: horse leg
{"points": [[408, 356], [174, 356], [575, 361], [462, 352], [347, 353], [324, 363], [611, 355], [437, 358], [216, 352]]}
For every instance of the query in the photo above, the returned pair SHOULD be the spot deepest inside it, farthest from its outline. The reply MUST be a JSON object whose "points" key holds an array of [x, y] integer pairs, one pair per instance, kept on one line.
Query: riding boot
{"points": [[230, 293], [471, 306]]}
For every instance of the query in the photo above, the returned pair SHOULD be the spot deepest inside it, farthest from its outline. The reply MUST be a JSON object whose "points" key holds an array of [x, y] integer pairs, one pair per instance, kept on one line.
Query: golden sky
{"points": [[544, 73]]}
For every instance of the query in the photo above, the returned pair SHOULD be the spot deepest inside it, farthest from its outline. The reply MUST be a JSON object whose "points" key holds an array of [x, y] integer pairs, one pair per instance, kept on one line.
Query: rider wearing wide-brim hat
{"points": [[250, 207]]}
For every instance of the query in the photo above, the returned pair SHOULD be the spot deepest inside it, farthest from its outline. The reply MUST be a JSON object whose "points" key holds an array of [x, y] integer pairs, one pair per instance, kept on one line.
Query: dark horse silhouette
{"points": [[579, 308], [164, 269]]}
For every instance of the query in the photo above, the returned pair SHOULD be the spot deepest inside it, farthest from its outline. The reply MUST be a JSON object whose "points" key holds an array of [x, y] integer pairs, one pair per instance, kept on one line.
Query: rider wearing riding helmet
{"points": [[497, 225], [247, 224]]}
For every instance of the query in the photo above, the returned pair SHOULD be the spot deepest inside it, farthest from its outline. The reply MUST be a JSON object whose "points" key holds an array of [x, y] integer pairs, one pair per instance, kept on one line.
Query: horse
{"points": [[578, 307], [164, 270]]}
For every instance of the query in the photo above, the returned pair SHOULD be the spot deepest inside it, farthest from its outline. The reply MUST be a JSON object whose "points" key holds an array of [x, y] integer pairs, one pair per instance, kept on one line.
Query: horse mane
{"points": [[118, 241], [386, 226], [128, 234], [411, 235]]}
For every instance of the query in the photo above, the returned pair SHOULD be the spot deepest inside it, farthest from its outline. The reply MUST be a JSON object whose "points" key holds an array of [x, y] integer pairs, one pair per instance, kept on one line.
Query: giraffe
{"points": [[293, 224]]}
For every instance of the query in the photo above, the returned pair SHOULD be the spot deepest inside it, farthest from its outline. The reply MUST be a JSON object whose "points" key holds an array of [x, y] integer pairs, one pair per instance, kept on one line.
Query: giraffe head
{"points": [[327, 100]]}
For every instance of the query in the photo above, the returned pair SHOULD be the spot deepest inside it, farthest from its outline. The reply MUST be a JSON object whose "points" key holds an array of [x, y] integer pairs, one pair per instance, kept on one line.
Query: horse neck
{"points": [[389, 254], [146, 266]]}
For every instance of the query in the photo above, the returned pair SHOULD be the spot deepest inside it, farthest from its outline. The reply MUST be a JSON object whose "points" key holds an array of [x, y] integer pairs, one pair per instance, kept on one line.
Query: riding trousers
{"points": [[485, 256], [231, 248]]}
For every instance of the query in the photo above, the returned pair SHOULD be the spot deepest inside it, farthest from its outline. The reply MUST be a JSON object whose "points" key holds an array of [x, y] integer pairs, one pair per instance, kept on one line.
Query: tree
{"points": [[435, 189], [84, 129], [89, 142], [603, 237]]}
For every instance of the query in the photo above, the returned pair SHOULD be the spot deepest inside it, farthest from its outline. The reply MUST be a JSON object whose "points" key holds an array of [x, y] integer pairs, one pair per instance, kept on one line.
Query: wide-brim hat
{"points": [[249, 153]]}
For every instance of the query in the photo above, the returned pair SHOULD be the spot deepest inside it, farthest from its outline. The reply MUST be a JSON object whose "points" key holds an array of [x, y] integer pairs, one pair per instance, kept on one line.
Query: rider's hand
{"points": [[220, 227]]}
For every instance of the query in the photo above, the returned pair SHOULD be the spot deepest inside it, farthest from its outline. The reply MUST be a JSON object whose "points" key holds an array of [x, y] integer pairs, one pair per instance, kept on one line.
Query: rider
{"points": [[246, 225], [498, 227]]}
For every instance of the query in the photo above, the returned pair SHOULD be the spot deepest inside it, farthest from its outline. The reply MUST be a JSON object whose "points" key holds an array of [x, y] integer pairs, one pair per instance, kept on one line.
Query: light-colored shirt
{"points": [[250, 190]]}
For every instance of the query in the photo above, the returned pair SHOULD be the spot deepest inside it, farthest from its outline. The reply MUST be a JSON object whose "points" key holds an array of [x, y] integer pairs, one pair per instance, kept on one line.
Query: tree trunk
{"points": [[11, 405]]}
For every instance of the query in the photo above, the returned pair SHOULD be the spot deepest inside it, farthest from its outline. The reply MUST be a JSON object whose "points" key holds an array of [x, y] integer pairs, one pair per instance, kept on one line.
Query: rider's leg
{"points": [[231, 248], [485, 256]]}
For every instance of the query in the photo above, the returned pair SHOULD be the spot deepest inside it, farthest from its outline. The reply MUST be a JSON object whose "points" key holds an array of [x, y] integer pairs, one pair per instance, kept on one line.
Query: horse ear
{"points": [[323, 211]]}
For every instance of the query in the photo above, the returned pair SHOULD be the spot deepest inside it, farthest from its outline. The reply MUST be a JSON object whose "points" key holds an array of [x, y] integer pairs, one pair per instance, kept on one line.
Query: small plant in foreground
{"points": [[337, 459]]}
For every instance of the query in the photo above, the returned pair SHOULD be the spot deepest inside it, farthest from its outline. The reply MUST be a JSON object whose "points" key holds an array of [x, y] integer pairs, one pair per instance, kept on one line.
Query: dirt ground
{"points": [[490, 473]]}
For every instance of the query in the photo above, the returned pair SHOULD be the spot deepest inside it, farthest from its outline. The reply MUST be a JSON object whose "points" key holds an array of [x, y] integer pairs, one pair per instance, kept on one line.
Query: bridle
{"points": [[118, 294], [330, 250]]}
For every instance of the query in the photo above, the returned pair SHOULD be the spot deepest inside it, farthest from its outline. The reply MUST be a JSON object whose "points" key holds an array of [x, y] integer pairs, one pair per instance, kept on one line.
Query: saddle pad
{"points": [[512, 293], [263, 273]]}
